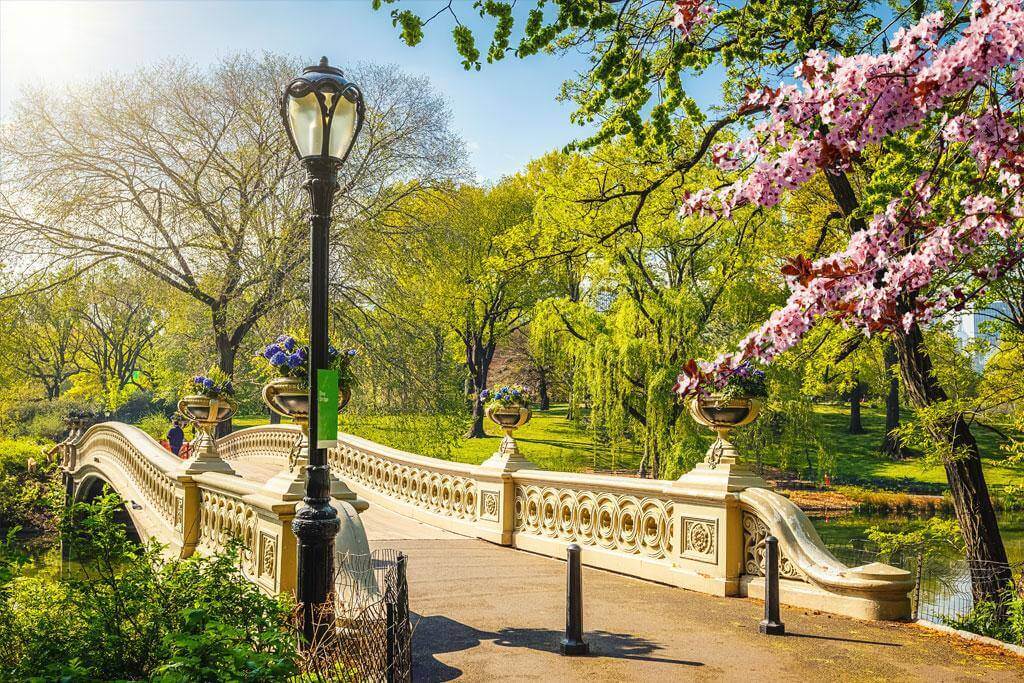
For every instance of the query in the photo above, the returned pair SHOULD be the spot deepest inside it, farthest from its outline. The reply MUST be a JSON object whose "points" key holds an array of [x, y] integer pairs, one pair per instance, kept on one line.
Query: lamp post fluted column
{"points": [[316, 523], [322, 113]]}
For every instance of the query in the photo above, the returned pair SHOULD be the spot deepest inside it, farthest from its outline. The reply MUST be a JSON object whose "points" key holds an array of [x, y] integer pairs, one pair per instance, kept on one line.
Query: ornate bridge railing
{"points": [[673, 532], [682, 533], [188, 512]]}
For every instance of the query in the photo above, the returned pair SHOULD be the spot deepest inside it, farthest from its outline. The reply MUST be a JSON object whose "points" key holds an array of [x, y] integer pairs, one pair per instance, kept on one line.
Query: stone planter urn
{"points": [[509, 418], [288, 397], [206, 413], [721, 468]]}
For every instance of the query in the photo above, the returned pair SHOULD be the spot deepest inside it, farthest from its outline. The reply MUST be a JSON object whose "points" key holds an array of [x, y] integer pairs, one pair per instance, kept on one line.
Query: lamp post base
{"points": [[574, 648], [316, 525]]}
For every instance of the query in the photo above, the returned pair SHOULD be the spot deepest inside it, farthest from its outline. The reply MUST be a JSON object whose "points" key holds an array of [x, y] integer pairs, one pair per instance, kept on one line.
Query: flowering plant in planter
{"points": [[215, 384], [286, 357], [746, 381], [506, 396]]}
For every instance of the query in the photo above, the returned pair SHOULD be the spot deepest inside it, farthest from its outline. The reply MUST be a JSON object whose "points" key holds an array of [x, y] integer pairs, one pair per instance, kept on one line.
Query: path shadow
{"points": [[842, 640], [437, 634]]}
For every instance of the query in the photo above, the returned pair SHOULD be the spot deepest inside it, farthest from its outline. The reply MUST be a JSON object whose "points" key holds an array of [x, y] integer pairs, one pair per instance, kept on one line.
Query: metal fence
{"points": [[943, 590], [372, 636]]}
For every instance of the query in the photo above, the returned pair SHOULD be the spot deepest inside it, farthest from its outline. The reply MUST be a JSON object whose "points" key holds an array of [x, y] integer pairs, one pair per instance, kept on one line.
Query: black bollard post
{"points": [[771, 624], [573, 643]]}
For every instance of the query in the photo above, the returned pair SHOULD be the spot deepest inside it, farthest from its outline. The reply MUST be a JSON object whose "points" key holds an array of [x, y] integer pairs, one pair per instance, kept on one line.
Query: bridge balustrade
{"points": [[683, 533], [198, 512], [672, 532]]}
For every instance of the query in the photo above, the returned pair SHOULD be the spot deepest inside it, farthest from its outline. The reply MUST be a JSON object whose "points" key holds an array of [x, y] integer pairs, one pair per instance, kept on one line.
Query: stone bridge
{"points": [[691, 533]]}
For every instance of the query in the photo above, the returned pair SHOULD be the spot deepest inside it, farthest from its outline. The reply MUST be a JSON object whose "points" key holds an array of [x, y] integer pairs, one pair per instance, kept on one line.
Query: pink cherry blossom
{"points": [[836, 109]]}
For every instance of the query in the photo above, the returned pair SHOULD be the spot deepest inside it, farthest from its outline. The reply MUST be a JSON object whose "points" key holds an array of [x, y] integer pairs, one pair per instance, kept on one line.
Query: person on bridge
{"points": [[176, 437]]}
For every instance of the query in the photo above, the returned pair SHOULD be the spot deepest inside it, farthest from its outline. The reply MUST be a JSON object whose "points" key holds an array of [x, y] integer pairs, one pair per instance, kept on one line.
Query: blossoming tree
{"points": [[918, 142], [951, 86]]}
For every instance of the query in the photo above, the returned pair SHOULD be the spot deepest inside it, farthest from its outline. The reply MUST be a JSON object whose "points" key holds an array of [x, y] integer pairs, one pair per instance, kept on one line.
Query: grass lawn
{"points": [[550, 440], [857, 454], [554, 443]]}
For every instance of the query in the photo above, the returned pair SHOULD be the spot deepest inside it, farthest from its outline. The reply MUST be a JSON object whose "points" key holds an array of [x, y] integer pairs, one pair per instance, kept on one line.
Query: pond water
{"points": [[945, 590], [846, 529]]}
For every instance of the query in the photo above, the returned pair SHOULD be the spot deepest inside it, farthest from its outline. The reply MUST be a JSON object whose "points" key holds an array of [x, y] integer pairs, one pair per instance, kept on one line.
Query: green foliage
{"points": [[155, 424], [28, 497], [38, 419], [435, 435], [923, 538], [1013, 497], [634, 85], [466, 46], [29, 500], [412, 26], [15, 454], [130, 613], [1002, 620]]}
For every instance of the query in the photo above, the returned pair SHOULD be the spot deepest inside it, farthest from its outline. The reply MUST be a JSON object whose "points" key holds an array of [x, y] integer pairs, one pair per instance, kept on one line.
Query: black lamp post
{"points": [[322, 113]]}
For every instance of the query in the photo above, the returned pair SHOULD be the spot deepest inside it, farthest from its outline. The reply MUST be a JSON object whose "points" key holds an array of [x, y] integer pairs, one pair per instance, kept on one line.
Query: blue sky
{"points": [[506, 113]]}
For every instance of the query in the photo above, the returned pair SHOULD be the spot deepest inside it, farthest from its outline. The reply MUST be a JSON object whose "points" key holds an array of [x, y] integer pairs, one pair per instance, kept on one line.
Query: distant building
{"points": [[969, 326]]}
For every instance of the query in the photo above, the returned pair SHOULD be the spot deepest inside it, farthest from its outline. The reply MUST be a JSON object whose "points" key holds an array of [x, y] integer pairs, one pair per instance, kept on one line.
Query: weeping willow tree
{"points": [[653, 292]]}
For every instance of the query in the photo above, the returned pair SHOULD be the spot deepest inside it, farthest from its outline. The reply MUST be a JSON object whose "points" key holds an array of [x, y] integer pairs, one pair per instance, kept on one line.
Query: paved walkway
{"points": [[489, 613]]}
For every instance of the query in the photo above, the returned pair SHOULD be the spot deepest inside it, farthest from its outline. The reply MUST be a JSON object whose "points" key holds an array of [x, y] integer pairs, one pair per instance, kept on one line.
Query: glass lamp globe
{"points": [[322, 113]]}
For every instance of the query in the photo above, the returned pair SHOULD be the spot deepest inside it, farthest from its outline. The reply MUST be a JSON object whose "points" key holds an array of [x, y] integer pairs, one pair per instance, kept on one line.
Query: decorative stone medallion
{"points": [[700, 539], [489, 500], [268, 555]]}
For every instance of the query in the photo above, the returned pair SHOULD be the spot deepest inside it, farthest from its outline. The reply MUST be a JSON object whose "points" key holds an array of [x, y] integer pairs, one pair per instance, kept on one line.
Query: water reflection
{"points": [[945, 590]]}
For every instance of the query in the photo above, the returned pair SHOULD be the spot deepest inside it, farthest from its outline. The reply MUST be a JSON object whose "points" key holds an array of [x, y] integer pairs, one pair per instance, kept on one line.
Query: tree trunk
{"points": [[542, 389], [476, 426], [891, 445], [856, 396], [226, 362], [480, 366], [986, 555]]}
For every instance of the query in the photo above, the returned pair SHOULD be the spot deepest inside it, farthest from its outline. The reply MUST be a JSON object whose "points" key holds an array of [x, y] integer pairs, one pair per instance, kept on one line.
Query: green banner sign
{"points": [[327, 408]]}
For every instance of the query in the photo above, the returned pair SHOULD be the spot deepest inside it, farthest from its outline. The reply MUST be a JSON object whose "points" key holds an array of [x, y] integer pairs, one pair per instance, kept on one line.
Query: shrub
{"points": [[40, 419], [129, 613], [155, 424], [29, 500], [986, 619], [1012, 497], [48, 426], [140, 404], [15, 454]]}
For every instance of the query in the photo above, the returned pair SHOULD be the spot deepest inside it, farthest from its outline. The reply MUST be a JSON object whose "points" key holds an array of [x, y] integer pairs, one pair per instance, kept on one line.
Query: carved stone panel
{"points": [[489, 504], [179, 515], [268, 556], [635, 525], [700, 539], [754, 533]]}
